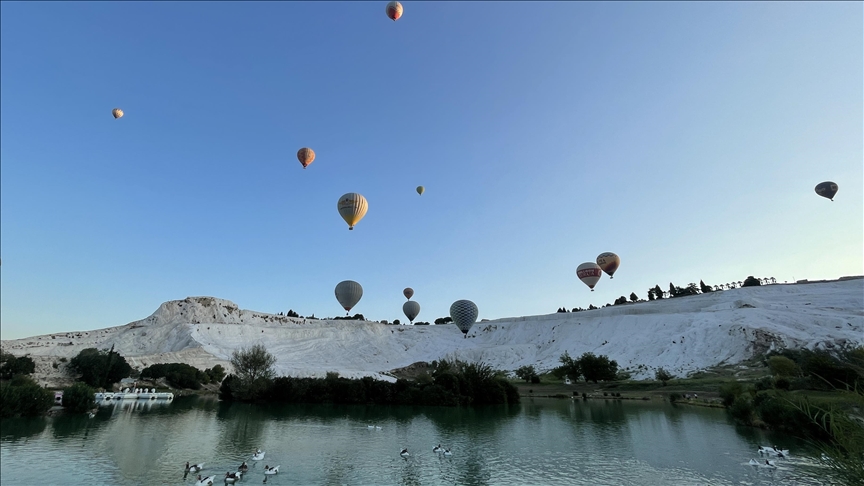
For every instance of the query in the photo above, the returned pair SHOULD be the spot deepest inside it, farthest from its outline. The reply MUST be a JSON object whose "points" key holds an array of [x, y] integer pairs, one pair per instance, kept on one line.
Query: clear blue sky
{"points": [[685, 137]]}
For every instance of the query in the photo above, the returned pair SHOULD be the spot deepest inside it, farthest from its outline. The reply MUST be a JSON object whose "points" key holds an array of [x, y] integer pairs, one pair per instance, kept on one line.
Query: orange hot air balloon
{"points": [[394, 10], [306, 156], [608, 262]]}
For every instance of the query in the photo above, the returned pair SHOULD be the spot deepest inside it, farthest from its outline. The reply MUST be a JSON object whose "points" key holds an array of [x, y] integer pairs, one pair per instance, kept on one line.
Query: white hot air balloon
{"points": [[589, 273], [348, 293], [117, 112], [411, 309], [464, 313]]}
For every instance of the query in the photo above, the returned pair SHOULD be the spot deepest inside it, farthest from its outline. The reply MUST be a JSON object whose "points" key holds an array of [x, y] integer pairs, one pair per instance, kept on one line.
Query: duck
{"points": [[194, 468], [437, 448], [447, 452], [271, 470], [259, 454], [233, 477], [208, 481], [243, 467], [404, 453]]}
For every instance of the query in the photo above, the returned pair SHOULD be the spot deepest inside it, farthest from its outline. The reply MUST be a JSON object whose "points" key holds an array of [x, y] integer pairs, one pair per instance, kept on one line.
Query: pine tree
{"points": [[633, 297]]}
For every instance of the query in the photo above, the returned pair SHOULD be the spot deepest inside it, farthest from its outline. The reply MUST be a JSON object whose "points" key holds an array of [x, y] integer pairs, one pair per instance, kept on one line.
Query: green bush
{"points": [[674, 397], [78, 398], [742, 410], [178, 375], [729, 391], [766, 383], [535, 379], [22, 396], [216, 374], [783, 366], [782, 383]]}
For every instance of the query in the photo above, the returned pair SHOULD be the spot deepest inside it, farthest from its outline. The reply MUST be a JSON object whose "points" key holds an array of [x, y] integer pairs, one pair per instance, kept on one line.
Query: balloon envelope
{"points": [[408, 293], [306, 156], [352, 207], [411, 309], [348, 293], [463, 313], [827, 189], [394, 10], [117, 112], [589, 273], [608, 262], [421, 190]]}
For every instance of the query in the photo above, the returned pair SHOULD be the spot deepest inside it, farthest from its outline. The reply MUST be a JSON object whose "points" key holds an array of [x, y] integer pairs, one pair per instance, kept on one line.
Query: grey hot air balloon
{"points": [[464, 313], [117, 112], [411, 309], [408, 293], [826, 189], [348, 293]]}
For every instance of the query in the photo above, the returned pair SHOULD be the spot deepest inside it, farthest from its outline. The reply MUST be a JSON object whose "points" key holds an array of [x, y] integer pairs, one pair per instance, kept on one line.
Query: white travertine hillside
{"points": [[683, 335]]}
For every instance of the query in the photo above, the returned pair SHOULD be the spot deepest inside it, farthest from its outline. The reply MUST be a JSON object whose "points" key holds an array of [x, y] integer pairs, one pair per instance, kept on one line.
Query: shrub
{"points": [[782, 383], [742, 410], [22, 396], [729, 391], [783, 366], [663, 376], [535, 379], [78, 398], [674, 397], [766, 383], [526, 372]]}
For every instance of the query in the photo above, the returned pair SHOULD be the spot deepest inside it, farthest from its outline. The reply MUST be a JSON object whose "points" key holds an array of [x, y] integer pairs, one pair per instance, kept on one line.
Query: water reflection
{"points": [[21, 428], [543, 441]]}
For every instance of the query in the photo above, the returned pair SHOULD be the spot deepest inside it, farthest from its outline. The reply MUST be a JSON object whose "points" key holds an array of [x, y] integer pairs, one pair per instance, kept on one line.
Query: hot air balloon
{"points": [[117, 112], [421, 190], [306, 156], [408, 293], [348, 293], [411, 309], [827, 189], [589, 273], [394, 10], [463, 313], [352, 207], [608, 262]]}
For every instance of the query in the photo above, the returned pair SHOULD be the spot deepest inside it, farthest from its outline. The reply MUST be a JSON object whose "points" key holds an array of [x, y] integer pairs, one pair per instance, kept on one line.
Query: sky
{"points": [[686, 137]]}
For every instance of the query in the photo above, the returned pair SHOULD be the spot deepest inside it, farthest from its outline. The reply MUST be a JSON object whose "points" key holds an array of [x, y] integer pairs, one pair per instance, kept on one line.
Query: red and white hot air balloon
{"points": [[589, 273], [394, 10]]}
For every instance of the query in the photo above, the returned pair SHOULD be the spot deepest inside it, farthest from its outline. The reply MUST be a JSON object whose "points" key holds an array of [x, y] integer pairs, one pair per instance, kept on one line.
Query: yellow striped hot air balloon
{"points": [[352, 207]]}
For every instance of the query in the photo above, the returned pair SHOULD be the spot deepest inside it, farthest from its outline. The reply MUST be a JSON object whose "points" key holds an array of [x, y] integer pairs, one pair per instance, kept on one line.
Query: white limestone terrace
{"points": [[682, 335]]}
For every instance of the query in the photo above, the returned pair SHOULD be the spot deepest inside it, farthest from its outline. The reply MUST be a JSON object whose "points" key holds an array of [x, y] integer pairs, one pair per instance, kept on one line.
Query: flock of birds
{"points": [[230, 477], [242, 469]]}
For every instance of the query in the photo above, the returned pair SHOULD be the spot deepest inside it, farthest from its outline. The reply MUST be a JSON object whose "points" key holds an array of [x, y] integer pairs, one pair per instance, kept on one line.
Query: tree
{"points": [[396, 322], [704, 288], [443, 320], [100, 369], [750, 281], [22, 396], [633, 297], [658, 292], [663, 376], [651, 294], [569, 367], [291, 313], [621, 300], [598, 368], [254, 371], [216, 374], [526, 373], [11, 366], [673, 290]]}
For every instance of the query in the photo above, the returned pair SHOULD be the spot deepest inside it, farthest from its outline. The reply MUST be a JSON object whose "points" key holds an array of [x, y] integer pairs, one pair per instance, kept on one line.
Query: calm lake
{"points": [[540, 442]]}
